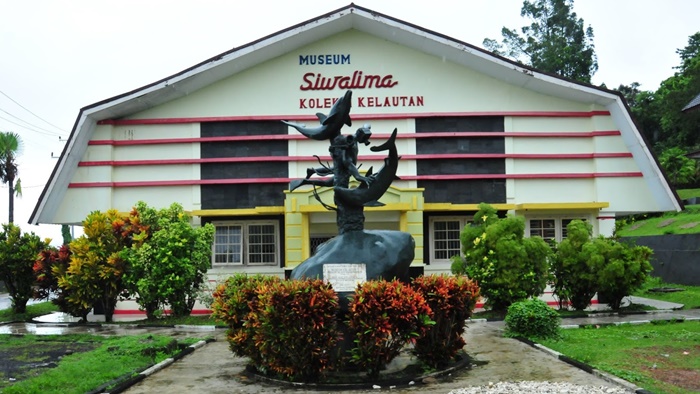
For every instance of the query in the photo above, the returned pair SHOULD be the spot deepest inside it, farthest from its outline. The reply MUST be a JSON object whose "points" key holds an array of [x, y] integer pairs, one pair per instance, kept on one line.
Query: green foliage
{"points": [[659, 113], [622, 268], [554, 42], [112, 359], [585, 265], [10, 146], [95, 271], [452, 300], [168, 259], [532, 319], [50, 265], [679, 168], [575, 274], [645, 109], [507, 266], [296, 327], [32, 311], [234, 301], [384, 316], [689, 297], [17, 254], [628, 351], [66, 234]]}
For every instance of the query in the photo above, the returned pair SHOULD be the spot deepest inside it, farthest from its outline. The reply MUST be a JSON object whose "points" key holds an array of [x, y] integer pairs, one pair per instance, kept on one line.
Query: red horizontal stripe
{"points": [[443, 156], [522, 176], [277, 137], [189, 182], [543, 114]]}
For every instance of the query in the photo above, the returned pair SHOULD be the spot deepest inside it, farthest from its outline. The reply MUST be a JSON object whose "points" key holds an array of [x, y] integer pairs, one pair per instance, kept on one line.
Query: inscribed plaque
{"points": [[344, 277]]}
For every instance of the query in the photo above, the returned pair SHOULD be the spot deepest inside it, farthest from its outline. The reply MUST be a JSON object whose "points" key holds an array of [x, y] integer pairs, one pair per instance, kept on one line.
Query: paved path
{"points": [[214, 369]]}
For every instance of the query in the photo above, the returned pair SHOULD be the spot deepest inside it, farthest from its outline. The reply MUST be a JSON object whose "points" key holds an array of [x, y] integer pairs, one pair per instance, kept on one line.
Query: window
{"points": [[246, 243], [444, 235], [316, 240], [551, 229], [545, 228]]}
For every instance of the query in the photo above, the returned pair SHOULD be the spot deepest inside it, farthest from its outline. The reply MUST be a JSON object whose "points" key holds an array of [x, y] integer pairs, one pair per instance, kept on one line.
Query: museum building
{"points": [[472, 127]]}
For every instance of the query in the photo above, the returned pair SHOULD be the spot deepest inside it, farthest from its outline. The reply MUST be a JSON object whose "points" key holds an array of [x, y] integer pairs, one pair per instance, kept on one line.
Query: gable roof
{"points": [[694, 104], [349, 17]]}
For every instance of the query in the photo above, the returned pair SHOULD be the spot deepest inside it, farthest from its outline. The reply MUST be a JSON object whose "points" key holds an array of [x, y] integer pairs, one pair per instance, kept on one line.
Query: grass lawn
{"points": [[684, 222], [663, 358], [34, 310], [688, 193], [198, 320], [689, 297], [77, 363]]}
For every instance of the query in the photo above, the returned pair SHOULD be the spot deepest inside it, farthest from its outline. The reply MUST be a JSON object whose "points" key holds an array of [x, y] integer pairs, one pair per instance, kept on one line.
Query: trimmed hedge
{"points": [[290, 329]]}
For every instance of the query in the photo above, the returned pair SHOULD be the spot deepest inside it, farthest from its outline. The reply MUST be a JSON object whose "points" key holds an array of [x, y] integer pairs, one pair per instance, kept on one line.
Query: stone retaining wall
{"points": [[676, 256]]}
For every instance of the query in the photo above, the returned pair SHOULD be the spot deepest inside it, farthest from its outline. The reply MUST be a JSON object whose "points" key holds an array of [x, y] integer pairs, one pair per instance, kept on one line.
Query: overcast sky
{"points": [[59, 56]]}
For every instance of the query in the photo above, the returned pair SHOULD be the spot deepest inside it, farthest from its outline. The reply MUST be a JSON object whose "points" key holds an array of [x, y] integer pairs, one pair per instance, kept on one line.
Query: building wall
{"points": [[465, 138]]}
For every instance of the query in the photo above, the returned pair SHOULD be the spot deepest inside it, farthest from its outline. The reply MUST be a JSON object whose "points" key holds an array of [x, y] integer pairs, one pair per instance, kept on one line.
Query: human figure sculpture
{"points": [[349, 202]]}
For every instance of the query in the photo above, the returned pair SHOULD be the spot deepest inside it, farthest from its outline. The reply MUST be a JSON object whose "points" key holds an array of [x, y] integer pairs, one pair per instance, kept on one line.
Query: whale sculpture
{"points": [[331, 124]]}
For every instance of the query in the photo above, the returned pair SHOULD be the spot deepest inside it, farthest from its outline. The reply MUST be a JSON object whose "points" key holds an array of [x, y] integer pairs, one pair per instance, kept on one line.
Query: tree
{"points": [[51, 264], [555, 42], [644, 107], [575, 276], [507, 266], [168, 260], [622, 268], [678, 166], [679, 128], [94, 275], [10, 146], [17, 254], [66, 234]]}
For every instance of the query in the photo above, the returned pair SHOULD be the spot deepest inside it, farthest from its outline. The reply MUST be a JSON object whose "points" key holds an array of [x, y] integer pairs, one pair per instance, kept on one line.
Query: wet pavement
{"points": [[214, 369]]}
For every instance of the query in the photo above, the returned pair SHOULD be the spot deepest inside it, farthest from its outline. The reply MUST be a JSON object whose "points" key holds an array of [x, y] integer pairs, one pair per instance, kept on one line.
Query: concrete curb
{"points": [[126, 383]]}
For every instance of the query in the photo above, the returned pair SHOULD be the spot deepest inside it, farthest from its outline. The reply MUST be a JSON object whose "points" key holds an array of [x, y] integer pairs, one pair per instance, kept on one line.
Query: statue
{"points": [[385, 254], [343, 150]]}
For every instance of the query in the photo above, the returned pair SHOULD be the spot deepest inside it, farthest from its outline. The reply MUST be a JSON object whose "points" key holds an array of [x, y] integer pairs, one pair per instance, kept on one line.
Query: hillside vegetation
{"points": [[684, 222]]}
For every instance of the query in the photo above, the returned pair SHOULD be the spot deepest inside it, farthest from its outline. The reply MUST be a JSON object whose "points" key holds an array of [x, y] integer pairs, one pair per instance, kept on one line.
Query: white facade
{"points": [[557, 150]]}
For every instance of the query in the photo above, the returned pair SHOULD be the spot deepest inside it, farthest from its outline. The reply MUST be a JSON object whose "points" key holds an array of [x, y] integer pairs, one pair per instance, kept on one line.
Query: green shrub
{"points": [[532, 319], [452, 300], [384, 316], [296, 328], [233, 302], [168, 258], [18, 252], [507, 266], [574, 269], [623, 269]]}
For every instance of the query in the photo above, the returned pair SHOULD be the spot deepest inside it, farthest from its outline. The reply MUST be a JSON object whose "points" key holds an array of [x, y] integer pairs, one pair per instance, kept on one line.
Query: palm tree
{"points": [[10, 144]]}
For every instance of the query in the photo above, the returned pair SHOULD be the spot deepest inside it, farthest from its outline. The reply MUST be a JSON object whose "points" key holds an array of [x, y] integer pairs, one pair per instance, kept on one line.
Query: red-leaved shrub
{"points": [[51, 264], [233, 302], [452, 300], [296, 328], [384, 316], [288, 328]]}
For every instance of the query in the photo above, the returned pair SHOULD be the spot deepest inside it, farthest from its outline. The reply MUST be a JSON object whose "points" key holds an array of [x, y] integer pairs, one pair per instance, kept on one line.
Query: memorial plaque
{"points": [[344, 277]]}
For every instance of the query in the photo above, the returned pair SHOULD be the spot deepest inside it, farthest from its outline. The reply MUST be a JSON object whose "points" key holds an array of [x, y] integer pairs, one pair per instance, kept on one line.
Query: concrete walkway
{"points": [[214, 369]]}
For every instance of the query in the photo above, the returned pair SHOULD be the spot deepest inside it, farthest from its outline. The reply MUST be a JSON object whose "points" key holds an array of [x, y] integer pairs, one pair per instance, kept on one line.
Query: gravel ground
{"points": [[538, 388]]}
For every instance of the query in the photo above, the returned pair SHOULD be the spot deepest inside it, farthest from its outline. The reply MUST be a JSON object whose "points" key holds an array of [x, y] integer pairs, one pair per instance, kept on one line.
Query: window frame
{"points": [[463, 221], [245, 244], [559, 228]]}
